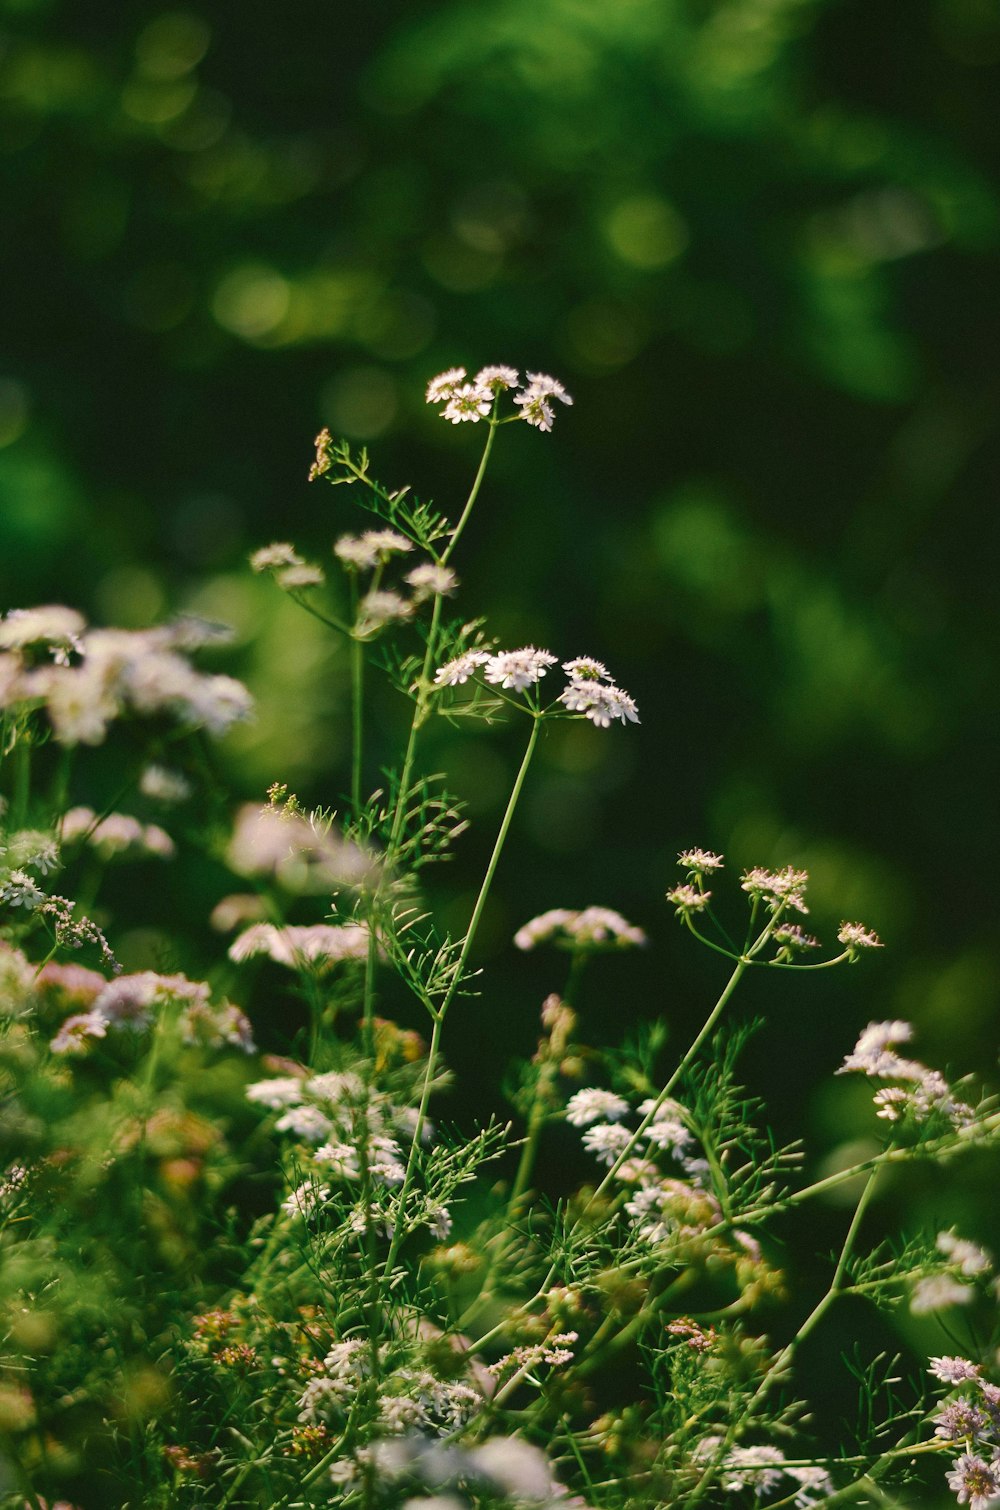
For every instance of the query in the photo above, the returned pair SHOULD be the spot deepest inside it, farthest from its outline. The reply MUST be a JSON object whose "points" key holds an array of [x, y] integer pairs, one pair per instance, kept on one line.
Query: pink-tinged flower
{"points": [[518, 669], [974, 1481], [443, 386], [497, 378], [951, 1370], [469, 403], [457, 672]]}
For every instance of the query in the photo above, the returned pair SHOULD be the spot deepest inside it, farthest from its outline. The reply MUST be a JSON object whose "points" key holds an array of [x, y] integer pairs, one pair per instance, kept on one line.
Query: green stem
{"points": [[442, 1011], [357, 715], [473, 495]]}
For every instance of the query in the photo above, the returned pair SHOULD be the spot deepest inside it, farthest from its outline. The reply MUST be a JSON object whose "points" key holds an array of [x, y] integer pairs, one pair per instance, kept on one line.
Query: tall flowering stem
{"points": [[440, 1013]]}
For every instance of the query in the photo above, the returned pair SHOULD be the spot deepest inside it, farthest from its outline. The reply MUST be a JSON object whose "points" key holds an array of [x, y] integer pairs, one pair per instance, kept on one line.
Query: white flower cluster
{"points": [[970, 1418], [304, 853], [507, 1470], [949, 1286], [99, 675], [290, 570], [590, 692], [116, 836], [298, 946], [778, 889], [324, 1111], [592, 928], [762, 1468], [130, 1003], [924, 1092], [468, 400]]}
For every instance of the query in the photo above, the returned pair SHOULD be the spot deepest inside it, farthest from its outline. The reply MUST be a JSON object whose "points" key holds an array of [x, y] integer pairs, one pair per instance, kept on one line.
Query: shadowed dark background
{"points": [[758, 242]]}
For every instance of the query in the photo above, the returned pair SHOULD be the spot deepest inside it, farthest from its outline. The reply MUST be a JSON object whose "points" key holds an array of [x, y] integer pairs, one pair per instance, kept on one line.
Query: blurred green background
{"points": [[757, 239]]}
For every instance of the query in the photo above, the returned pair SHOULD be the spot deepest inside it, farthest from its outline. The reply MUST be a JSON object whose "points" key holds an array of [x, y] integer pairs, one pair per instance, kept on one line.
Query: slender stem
{"points": [[357, 716], [457, 974], [473, 495]]}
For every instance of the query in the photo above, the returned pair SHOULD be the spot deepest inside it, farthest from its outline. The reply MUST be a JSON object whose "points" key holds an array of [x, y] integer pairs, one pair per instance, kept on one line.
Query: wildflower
{"points": [[960, 1419], [457, 672], [699, 860], [305, 853], [595, 928], [282, 1090], [305, 1122], [381, 608], [18, 889], [936, 1292], [533, 400], [814, 1485], [295, 946], [429, 580], [854, 937], [606, 1140], [778, 888], [373, 548], [161, 784], [76, 1033], [970, 1258], [973, 1480], [497, 378], [468, 403], [668, 1132], [874, 1053], [757, 1467], [518, 669], [444, 385], [297, 578], [688, 899], [952, 1370], [592, 1105], [33, 848], [336, 1085], [341, 1160], [306, 1199], [584, 669], [518, 1470], [53, 624], [791, 940], [271, 557], [600, 703]]}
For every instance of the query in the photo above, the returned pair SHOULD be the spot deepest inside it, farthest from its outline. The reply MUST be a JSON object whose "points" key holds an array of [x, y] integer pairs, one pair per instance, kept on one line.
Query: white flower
{"points": [[468, 403], [814, 1485], [457, 672], [270, 557], [699, 860], [519, 1470], [380, 608], [53, 624], [335, 1086], [161, 784], [34, 848], [518, 669], [936, 1292], [295, 578], [373, 548], [856, 937], [757, 1467], [778, 888], [444, 385], [305, 1122], [76, 1033], [952, 1370], [282, 1090], [874, 1053], [306, 1200], [497, 378], [303, 944], [601, 704], [533, 400], [430, 580], [591, 928], [669, 1132], [584, 669], [606, 1140], [974, 1481], [341, 1160], [593, 1105], [688, 899], [970, 1258], [18, 889]]}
